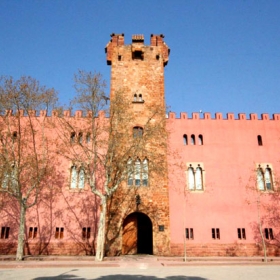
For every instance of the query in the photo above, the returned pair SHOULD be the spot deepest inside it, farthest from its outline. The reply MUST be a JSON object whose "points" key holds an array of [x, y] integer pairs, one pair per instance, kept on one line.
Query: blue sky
{"points": [[224, 53]]}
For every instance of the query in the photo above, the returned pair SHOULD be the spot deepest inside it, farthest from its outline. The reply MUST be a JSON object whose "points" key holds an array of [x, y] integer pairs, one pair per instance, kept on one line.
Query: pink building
{"points": [[219, 196]]}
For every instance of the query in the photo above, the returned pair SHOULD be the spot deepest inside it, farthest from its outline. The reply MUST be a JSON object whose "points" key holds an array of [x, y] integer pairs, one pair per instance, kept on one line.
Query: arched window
{"points": [[72, 137], [137, 132], [88, 138], [137, 174], [200, 139], [135, 97], [145, 172], [81, 183], [268, 178], [260, 179], [191, 178], [140, 98], [192, 139], [185, 139], [73, 177], [260, 143], [198, 178], [129, 172], [80, 138]]}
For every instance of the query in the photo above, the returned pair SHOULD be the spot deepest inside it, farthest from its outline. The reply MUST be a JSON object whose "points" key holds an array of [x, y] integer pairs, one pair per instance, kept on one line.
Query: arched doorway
{"points": [[137, 234]]}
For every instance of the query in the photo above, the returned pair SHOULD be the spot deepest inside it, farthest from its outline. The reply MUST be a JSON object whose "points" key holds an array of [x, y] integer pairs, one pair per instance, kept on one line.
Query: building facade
{"points": [[214, 193]]}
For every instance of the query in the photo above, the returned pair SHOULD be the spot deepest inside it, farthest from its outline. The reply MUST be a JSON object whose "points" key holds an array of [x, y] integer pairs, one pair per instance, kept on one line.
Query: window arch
{"points": [[192, 139], [88, 138], [268, 178], [200, 139], [137, 132], [73, 177], [185, 139], [260, 143], [80, 138]]}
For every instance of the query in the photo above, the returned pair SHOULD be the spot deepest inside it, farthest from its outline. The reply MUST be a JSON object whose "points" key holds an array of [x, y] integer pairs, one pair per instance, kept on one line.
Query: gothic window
{"points": [[195, 178], [88, 138], [73, 177], [140, 98], [137, 132], [137, 172], [264, 178], [145, 172], [81, 183]]}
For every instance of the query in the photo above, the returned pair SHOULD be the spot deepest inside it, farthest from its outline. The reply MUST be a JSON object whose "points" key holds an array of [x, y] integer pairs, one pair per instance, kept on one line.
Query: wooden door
{"points": [[129, 239]]}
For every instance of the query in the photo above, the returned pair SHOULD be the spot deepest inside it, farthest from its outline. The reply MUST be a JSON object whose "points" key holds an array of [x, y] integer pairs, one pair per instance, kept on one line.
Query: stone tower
{"points": [[137, 70]]}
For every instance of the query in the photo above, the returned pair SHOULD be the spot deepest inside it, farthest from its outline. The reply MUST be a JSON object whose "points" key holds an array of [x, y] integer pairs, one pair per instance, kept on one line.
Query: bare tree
{"points": [[25, 154], [104, 148]]}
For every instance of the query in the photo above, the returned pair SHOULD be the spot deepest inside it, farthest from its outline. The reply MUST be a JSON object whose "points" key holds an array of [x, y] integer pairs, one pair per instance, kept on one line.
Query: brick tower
{"points": [[137, 70]]}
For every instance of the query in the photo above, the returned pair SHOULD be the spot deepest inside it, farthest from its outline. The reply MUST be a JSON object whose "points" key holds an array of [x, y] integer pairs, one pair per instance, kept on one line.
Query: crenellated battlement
{"points": [[219, 116], [116, 50], [55, 113]]}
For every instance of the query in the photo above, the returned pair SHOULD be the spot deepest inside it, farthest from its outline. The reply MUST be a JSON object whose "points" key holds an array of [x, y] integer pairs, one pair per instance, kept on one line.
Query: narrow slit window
{"points": [[268, 232], [268, 178], [5, 231], [200, 139], [80, 138], [185, 139], [72, 137], [145, 172], [198, 178], [129, 172], [137, 174], [192, 139], [88, 138], [191, 178], [260, 143], [189, 233], [215, 233]]}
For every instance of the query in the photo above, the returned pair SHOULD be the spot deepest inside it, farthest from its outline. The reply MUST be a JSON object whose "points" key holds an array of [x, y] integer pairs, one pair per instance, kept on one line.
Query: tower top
{"points": [[137, 46]]}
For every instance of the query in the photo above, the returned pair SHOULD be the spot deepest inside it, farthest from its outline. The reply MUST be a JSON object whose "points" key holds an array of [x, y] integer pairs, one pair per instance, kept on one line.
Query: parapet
{"points": [[137, 45], [219, 116]]}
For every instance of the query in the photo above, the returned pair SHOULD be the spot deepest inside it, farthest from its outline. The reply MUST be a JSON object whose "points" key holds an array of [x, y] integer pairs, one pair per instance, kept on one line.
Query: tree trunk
{"points": [[101, 230], [20, 247], [261, 231]]}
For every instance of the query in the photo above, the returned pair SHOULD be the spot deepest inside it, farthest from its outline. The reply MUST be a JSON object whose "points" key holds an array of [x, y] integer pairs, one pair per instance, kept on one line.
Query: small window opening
{"points": [[241, 233], [157, 56], [200, 139], [137, 132], [138, 55], [135, 97], [119, 57], [260, 143], [5, 232], [33, 232], [80, 138], [88, 138], [215, 233], [14, 136], [72, 137], [192, 139], [59, 233], [86, 233], [140, 98], [185, 139], [268, 232], [161, 228], [189, 233]]}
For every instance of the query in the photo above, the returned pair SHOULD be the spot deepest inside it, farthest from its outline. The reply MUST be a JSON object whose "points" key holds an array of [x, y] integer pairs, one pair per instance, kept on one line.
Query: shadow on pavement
{"points": [[120, 277]]}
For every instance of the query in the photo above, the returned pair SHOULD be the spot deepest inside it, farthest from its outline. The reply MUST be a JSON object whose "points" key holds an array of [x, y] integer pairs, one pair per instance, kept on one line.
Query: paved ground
{"points": [[139, 267]]}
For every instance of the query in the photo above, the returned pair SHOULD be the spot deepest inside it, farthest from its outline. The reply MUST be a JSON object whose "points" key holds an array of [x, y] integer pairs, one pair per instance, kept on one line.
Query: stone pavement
{"points": [[138, 267]]}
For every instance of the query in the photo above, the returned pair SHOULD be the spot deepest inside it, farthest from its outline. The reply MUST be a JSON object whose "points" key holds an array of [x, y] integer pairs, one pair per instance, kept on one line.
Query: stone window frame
{"points": [[194, 166]]}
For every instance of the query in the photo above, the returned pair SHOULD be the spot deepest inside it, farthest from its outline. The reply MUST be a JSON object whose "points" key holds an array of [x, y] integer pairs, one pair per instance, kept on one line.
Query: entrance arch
{"points": [[137, 235]]}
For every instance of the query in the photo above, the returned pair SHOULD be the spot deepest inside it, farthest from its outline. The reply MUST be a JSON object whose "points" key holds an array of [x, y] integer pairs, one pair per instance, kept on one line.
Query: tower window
{"points": [[59, 233], [86, 233], [268, 233], [260, 143], [264, 178], [215, 233], [5, 232], [200, 139], [137, 172], [192, 139], [137, 132], [185, 139], [195, 176], [241, 233], [138, 55], [119, 57], [189, 233]]}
